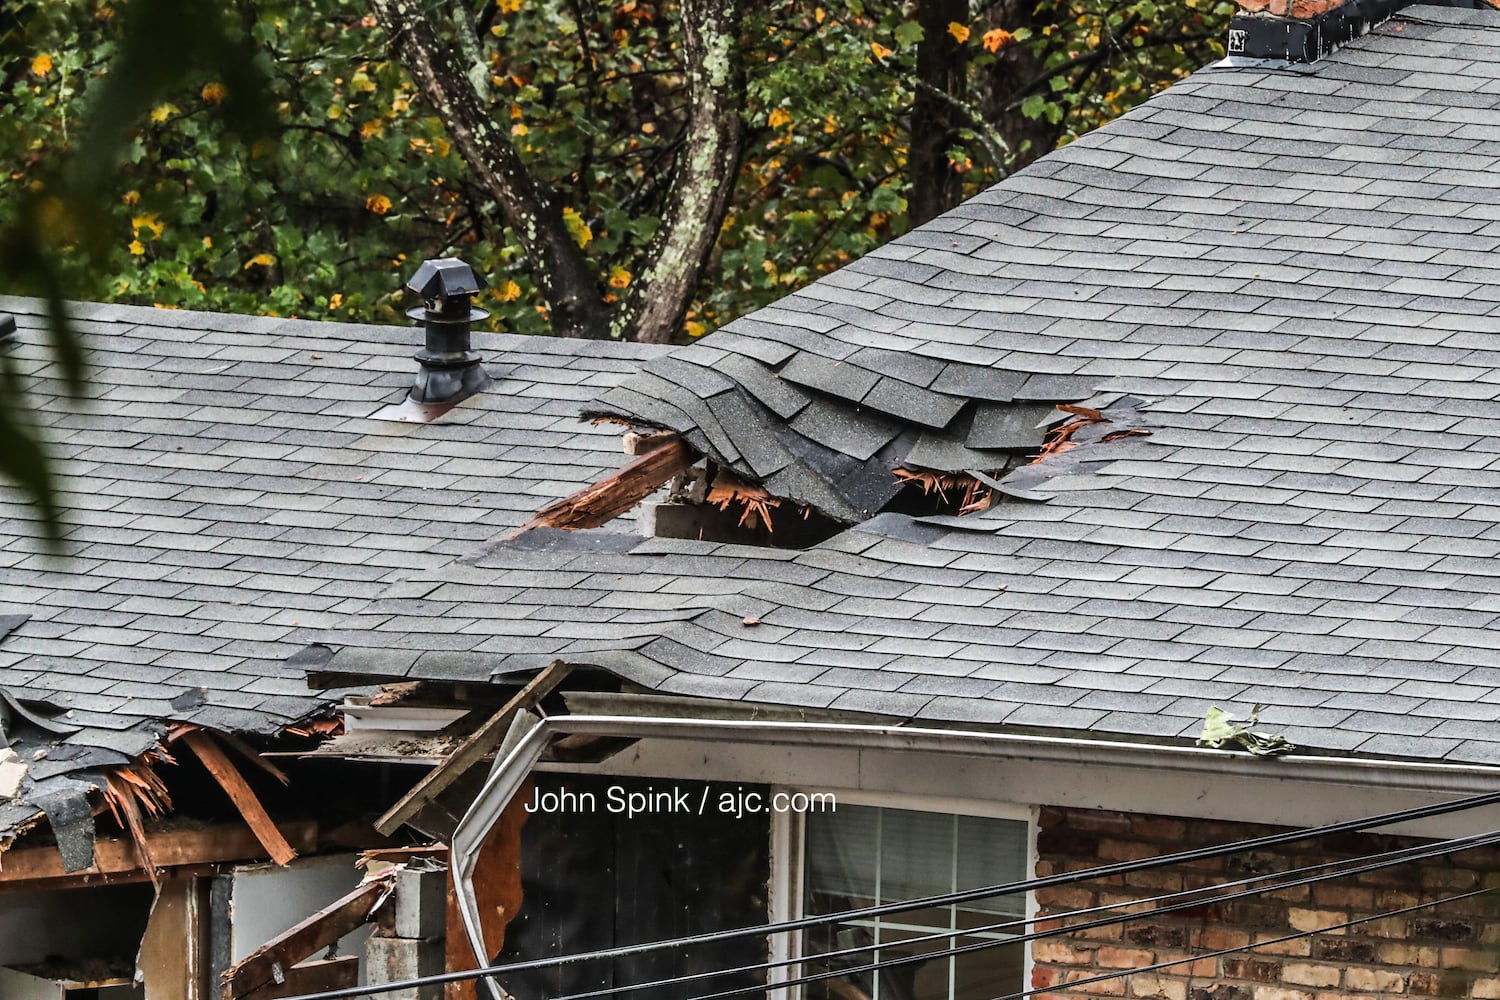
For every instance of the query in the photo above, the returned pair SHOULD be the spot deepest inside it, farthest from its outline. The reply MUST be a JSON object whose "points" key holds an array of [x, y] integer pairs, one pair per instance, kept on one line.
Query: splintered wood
{"points": [[755, 503], [1060, 438], [610, 497], [274, 958], [240, 793], [973, 495]]}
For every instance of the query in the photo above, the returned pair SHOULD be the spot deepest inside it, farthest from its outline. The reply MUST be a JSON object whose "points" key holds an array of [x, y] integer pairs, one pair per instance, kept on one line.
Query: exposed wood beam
{"points": [[169, 848], [229, 778], [473, 749], [614, 495], [277, 956], [312, 977]]}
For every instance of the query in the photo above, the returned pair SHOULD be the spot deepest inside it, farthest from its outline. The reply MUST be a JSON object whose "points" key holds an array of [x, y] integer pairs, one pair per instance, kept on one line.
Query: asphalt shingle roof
{"points": [[1287, 277], [227, 495]]}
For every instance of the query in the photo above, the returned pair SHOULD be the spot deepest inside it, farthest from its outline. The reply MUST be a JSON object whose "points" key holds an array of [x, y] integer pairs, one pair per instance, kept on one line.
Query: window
{"points": [[862, 856]]}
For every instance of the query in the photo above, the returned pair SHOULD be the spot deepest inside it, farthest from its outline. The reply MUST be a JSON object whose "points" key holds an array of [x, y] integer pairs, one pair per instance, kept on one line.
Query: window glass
{"points": [[862, 856]]}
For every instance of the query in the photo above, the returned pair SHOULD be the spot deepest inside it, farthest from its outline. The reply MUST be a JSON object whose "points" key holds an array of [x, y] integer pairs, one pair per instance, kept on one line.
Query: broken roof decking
{"points": [[1296, 271], [226, 495]]}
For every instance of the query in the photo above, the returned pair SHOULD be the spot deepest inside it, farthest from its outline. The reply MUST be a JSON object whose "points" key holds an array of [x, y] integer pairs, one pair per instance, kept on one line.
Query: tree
{"points": [[636, 168]]}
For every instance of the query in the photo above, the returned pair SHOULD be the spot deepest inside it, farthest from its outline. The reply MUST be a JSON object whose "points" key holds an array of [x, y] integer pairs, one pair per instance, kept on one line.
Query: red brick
{"points": [[1470, 959], [1343, 897], [1158, 828], [1060, 953], [1315, 920], [1219, 938], [1064, 898], [1306, 974], [1400, 953], [1163, 987], [1248, 968], [1280, 993], [1297, 947], [1042, 978], [1123, 958], [1109, 987], [1486, 989], [1125, 850], [1374, 980]]}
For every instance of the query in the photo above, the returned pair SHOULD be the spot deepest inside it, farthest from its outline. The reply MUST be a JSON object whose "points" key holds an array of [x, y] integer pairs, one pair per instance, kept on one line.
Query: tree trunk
{"points": [[703, 178], [942, 70], [566, 280], [1016, 66]]}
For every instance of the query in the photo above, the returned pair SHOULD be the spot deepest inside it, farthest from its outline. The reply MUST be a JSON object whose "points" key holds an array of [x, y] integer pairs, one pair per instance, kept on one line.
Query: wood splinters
{"points": [[614, 495], [229, 778]]}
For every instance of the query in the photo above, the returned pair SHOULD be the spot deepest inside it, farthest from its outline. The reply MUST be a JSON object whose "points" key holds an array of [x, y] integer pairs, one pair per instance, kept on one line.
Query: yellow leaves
{"points": [[960, 32], [619, 278], [136, 247], [880, 50], [519, 128], [509, 6], [213, 93], [516, 114], [149, 221], [695, 329], [399, 105], [335, 300], [442, 146], [779, 117], [208, 242], [819, 14], [131, 197], [508, 292], [998, 38], [576, 227], [372, 128], [162, 112], [259, 260], [335, 112], [41, 65], [378, 203]]}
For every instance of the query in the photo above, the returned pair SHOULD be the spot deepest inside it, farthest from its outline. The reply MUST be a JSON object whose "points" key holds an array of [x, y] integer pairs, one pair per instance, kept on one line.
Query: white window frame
{"points": [[788, 883]]}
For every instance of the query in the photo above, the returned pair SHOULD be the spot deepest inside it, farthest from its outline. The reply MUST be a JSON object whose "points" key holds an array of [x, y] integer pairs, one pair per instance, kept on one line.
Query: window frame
{"points": [[788, 885]]}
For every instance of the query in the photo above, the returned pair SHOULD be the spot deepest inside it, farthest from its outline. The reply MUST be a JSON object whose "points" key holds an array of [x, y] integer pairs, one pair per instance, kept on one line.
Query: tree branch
{"points": [[528, 208], [703, 176]]}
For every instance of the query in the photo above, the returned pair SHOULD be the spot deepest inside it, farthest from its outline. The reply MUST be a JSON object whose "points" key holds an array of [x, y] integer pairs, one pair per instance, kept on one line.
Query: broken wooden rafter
{"points": [[317, 976], [614, 495], [473, 749], [173, 848], [272, 961], [238, 789]]}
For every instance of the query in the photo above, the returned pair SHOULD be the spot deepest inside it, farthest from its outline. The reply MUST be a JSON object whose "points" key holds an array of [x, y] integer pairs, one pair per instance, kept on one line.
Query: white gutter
{"points": [[509, 772]]}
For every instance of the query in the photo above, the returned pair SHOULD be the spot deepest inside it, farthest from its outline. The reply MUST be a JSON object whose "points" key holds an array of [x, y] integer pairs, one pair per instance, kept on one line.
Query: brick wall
{"points": [[1448, 951]]}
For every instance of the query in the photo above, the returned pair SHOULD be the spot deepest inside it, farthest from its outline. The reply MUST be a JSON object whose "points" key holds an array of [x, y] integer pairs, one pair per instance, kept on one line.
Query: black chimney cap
{"points": [[444, 279]]}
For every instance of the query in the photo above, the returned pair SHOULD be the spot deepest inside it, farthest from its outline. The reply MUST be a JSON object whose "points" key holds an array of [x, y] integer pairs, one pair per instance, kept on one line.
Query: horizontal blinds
{"points": [[910, 854]]}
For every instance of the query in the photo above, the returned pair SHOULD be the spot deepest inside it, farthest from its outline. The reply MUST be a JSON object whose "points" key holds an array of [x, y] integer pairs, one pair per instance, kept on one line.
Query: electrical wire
{"points": [[358, 991], [1444, 847], [1158, 966], [1416, 853], [1006, 889]]}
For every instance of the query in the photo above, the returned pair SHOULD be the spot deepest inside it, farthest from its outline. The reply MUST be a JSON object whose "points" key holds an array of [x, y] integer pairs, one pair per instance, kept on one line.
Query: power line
{"points": [[1158, 966], [1022, 995], [967, 895], [1027, 885], [1430, 851]]}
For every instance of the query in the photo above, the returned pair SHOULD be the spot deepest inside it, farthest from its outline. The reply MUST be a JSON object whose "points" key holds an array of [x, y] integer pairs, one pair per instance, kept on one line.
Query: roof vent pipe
{"points": [[450, 371]]}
